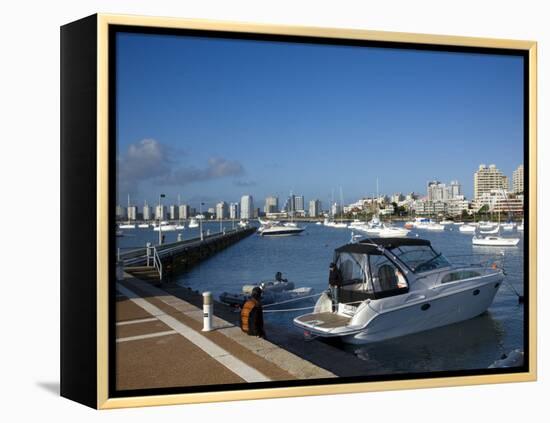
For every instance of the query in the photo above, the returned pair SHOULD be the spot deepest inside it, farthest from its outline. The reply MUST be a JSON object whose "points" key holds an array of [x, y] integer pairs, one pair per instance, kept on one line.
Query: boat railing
{"points": [[485, 260]]}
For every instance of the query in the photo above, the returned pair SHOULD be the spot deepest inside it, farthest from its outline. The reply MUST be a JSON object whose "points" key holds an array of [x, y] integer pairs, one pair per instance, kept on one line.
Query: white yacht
{"points": [[279, 230], [495, 241], [386, 288], [383, 231], [165, 227], [495, 230], [143, 226], [466, 228], [193, 223], [127, 226]]}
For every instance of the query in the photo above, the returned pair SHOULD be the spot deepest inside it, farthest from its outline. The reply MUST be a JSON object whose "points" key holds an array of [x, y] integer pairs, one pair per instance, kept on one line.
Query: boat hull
{"points": [[442, 311]]}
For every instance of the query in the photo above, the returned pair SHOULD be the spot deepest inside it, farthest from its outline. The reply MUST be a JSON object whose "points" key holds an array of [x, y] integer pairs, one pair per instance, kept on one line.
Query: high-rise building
{"points": [[160, 212], [147, 212], [132, 212], [454, 190], [487, 179], [120, 213], [517, 180], [184, 211], [234, 211], [290, 205], [436, 191], [222, 211], [271, 204], [247, 207], [314, 208], [299, 203], [174, 212]]}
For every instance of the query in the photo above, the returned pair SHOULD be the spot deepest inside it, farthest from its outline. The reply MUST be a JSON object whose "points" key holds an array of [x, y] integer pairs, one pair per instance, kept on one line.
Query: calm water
{"points": [[304, 260]]}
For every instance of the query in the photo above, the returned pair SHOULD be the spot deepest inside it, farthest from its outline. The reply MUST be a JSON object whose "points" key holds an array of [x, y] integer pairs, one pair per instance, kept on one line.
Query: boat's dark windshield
{"points": [[421, 258]]}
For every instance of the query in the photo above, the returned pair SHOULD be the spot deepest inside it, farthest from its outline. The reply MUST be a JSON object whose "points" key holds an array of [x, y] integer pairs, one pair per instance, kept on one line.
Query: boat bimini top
{"points": [[382, 267]]}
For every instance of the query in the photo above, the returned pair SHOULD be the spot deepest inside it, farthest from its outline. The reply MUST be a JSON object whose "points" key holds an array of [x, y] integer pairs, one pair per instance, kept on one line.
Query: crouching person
{"points": [[252, 315]]}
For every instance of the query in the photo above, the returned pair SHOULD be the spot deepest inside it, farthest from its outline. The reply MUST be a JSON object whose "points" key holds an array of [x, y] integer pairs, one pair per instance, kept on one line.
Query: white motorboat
{"points": [[386, 288], [495, 230], [279, 230], [495, 241], [164, 227], [384, 231], [458, 223], [434, 227], [486, 226], [446, 222], [180, 226], [193, 223], [242, 224], [466, 228], [143, 226], [427, 224], [319, 223]]}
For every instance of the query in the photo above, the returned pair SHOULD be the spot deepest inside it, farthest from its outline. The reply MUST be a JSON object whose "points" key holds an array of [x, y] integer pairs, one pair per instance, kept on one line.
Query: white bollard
{"points": [[207, 311]]}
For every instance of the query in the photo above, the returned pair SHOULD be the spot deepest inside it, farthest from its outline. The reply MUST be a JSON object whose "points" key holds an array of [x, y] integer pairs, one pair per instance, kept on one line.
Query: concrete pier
{"points": [[160, 343], [164, 261]]}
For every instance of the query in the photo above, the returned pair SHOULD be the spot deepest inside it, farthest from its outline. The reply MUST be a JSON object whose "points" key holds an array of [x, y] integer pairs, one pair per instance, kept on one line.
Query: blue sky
{"points": [[213, 119]]}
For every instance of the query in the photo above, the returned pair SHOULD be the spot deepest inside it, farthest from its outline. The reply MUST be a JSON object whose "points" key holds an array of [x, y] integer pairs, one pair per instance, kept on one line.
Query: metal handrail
{"points": [[157, 262]]}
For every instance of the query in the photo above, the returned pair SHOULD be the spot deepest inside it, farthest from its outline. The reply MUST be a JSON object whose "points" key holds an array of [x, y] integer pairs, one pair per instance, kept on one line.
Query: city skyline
{"points": [[193, 121]]}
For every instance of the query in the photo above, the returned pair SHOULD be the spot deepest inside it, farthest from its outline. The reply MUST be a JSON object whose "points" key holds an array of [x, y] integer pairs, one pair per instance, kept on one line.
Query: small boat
{"points": [[496, 230], [241, 224], [319, 223], [164, 227], [356, 223], [143, 226], [272, 291], [469, 229], [391, 287], [446, 222], [486, 226], [458, 223], [384, 231], [180, 226], [193, 223], [495, 241], [279, 230], [127, 226], [434, 227], [238, 300]]}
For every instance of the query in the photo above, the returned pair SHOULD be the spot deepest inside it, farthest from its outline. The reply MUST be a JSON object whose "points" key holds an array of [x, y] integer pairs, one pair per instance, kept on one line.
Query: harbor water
{"points": [[304, 259]]}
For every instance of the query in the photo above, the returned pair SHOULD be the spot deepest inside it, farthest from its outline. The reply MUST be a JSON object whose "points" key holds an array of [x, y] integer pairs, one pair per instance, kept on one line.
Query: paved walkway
{"points": [[160, 344]]}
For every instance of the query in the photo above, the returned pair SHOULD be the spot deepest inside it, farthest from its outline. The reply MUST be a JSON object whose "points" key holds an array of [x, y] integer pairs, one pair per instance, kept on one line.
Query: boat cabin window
{"points": [[369, 276], [387, 278], [459, 275], [421, 258]]}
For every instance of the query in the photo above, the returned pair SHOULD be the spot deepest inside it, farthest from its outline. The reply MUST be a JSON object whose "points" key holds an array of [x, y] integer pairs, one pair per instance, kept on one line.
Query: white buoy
{"points": [[207, 311]]}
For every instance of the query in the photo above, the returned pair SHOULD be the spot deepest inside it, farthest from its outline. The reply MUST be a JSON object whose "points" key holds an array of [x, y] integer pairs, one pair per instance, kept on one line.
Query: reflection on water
{"points": [[304, 259]]}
